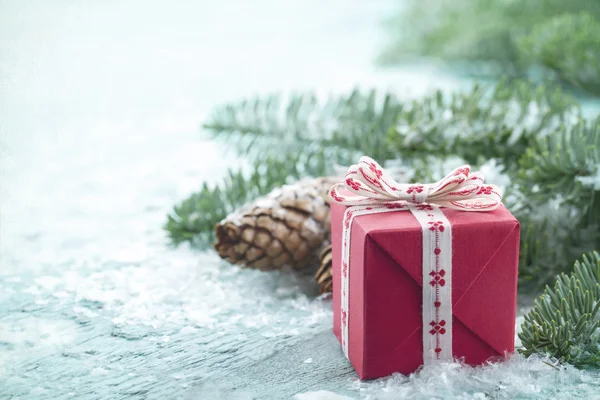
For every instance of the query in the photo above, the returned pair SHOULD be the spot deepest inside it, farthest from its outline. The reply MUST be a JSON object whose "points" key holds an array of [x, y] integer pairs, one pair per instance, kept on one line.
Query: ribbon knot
{"points": [[368, 183]]}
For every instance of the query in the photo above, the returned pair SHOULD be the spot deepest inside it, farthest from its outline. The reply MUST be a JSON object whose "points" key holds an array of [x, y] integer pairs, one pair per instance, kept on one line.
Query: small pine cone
{"points": [[323, 275], [286, 227]]}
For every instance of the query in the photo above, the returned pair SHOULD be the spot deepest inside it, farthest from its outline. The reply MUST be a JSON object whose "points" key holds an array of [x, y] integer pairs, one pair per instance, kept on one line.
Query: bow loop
{"points": [[368, 183]]}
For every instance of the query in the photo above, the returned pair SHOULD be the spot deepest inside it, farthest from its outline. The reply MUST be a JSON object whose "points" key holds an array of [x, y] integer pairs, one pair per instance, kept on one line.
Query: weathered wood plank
{"points": [[315, 362]]}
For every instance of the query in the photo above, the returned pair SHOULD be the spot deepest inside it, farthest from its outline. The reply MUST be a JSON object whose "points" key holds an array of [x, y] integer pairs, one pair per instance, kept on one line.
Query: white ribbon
{"points": [[369, 189], [370, 184]]}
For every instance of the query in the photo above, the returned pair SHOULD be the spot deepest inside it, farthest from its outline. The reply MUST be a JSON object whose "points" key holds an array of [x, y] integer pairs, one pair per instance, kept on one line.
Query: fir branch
{"points": [[501, 37], [568, 45], [482, 124], [458, 30], [266, 117], [540, 257], [358, 121], [565, 320], [475, 124], [564, 167], [558, 184], [549, 243]]}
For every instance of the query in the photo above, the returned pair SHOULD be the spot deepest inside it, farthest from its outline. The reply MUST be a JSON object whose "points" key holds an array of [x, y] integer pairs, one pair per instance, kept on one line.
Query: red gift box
{"points": [[385, 322]]}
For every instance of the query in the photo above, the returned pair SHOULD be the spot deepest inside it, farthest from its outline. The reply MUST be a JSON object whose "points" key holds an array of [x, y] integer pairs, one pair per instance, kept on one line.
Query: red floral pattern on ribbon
{"points": [[394, 205], [424, 207], [336, 197], [436, 226], [347, 219], [437, 328], [353, 184], [416, 188], [486, 190], [462, 171], [438, 278], [375, 169]]}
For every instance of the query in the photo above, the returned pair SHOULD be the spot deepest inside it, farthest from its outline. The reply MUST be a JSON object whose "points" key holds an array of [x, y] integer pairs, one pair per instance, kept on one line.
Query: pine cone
{"points": [[323, 275], [286, 227]]}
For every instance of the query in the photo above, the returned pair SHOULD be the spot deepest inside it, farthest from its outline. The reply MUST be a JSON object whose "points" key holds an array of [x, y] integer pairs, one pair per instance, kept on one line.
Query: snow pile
{"points": [[517, 378]]}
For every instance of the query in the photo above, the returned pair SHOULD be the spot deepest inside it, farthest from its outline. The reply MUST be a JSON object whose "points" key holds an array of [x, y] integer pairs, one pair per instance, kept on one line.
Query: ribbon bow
{"points": [[368, 183]]}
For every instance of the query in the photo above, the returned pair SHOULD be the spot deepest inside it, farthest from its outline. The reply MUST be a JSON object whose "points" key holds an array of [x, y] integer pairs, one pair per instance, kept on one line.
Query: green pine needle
{"points": [[565, 320]]}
